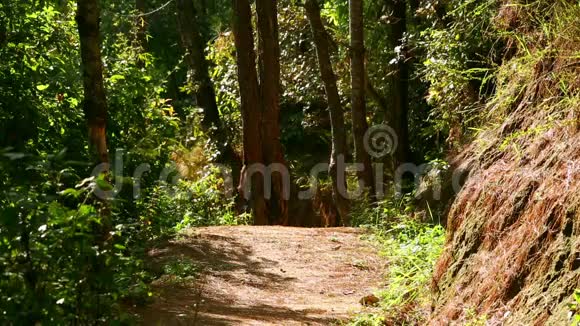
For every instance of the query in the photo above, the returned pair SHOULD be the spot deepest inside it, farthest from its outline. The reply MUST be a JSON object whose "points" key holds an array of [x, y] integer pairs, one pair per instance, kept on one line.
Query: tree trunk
{"points": [[194, 45], [400, 84], [269, 65], [250, 106], [95, 109], [338, 130], [95, 102], [357, 73]]}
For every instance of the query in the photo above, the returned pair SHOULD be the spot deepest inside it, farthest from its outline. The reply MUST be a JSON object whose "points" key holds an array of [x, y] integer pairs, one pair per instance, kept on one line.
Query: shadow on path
{"points": [[256, 276]]}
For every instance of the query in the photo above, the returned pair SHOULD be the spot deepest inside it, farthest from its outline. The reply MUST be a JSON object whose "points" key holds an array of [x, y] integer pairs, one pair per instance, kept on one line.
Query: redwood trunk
{"points": [[358, 106], [194, 44], [269, 64], [400, 84], [338, 130], [250, 105], [95, 102]]}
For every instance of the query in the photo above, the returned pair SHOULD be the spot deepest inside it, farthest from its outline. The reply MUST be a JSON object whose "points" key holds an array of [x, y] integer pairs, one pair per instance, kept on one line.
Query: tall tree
{"points": [[95, 102], [269, 66], [193, 43], [400, 81], [338, 130], [95, 109], [250, 106], [358, 105]]}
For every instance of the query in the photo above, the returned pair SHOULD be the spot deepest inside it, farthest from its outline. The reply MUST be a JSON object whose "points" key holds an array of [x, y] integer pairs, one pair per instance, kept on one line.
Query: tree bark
{"points": [[193, 43], [250, 106], [95, 102], [269, 69], [357, 73], [400, 83], [338, 130], [95, 109]]}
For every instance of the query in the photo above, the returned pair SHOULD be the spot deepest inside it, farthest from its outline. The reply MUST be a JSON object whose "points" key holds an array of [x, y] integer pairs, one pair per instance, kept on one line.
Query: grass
{"points": [[180, 271], [575, 308], [411, 249]]}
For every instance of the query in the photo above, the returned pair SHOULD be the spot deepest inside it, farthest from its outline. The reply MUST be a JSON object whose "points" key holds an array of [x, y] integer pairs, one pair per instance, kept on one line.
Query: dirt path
{"points": [[266, 276]]}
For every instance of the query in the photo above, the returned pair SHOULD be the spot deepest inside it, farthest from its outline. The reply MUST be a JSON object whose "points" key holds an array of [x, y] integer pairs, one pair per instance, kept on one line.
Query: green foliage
{"points": [[68, 258], [39, 78], [193, 203], [55, 266], [459, 64], [574, 308], [298, 58], [224, 74], [382, 214], [556, 24], [181, 268], [411, 248], [368, 320]]}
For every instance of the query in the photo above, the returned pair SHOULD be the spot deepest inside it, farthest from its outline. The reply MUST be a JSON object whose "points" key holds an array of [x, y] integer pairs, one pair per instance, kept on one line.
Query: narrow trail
{"points": [[266, 276]]}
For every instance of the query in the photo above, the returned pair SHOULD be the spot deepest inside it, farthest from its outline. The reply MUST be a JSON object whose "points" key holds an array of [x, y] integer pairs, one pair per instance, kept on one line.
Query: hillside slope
{"points": [[513, 248]]}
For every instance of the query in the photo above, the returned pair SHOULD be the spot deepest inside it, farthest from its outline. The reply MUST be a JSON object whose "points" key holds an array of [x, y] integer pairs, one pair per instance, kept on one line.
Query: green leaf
{"points": [[104, 185], [85, 210], [116, 78], [42, 87], [70, 192]]}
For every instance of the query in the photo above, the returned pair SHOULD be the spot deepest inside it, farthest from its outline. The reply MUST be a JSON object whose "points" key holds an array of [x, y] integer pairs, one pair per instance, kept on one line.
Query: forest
{"points": [[290, 162]]}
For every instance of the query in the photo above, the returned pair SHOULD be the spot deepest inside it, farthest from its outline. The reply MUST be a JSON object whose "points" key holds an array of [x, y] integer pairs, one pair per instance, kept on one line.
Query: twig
{"points": [[152, 12]]}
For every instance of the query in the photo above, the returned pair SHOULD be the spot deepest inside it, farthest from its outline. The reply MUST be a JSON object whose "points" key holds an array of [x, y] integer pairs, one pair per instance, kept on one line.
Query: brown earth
{"points": [[265, 276], [513, 233]]}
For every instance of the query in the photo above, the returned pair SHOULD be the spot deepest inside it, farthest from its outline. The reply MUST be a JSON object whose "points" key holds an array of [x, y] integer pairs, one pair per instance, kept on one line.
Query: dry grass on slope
{"points": [[513, 248]]}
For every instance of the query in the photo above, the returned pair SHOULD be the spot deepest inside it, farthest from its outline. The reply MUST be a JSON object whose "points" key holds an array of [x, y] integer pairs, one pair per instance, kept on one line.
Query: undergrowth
{"points": [[179, 272], [411, 248], [575, 309]]}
